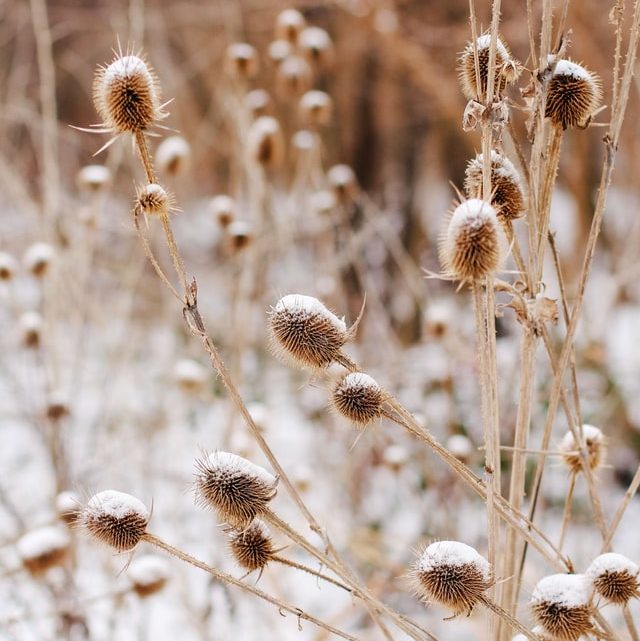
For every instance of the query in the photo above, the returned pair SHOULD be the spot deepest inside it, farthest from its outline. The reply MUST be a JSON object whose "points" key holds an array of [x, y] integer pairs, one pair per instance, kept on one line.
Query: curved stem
{"points": [[304, 568]]}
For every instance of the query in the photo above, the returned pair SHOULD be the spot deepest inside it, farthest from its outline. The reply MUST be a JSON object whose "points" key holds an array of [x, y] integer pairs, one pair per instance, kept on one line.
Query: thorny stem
{"points": [[308, 570], [227, 578]]}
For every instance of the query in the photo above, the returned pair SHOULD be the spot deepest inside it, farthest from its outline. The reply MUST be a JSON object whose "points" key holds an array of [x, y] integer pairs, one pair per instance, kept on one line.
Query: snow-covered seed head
{"points": [[461, 447], [37, 258], [452, 574], [152, 200], [240, 235], [148, 574], [172, 155], [242, 60], [223, 209], [316, 107], [265, 142], [57, 405], [44, 548], [115, 518], [573, 94], [359, 398], [233, 486], [279, 51], [561, 604], [93, 178], [294, 76], [506, 189], [126, 95], [615, 577], [289, 24], [31, 326], [595, 445], [257, 102], [306, 332], [304, 141], [252, 547], [190, 375], [67, 507], [343, 182], [395, 457], [8, 266], [506, 68], [315, 43], [470, 248]]}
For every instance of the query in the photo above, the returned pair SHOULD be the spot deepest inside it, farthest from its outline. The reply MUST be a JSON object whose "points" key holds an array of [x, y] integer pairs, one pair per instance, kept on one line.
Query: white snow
{"points": [[222, 204], [239, 228], [358, 380], [505, 168], [189, 371], [37, 254], [67, 502], [94, 175], [341, 176], [611, 563], [459, 445], [7, 263], [314, 38], [31, 321], [484, 42], [241, 51], [171, 148], [42, 541], [568, 68], [569, 590], [117, 504], [309, 306], [315, 99], [590, 433], [148, 569], [472, 213], [232, 463], [127, 67], [452, 553]]}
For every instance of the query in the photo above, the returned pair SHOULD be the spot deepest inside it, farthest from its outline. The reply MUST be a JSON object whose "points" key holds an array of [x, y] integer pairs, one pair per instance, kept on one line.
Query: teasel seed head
{"points": [[223, 209], [8, 266], [242, 60], [289, 24], [252, 547], [507, 69], [615, 578], [265, 142], [38, 258], [561, 604], [470, 248], [395, 457], [315, 44], [237, 489], [68, 507], [257, 102], [461, 447], [595, 445], [173, 155], [452, 574], [190, 375], [240, 235], [31, 324], [115, 518], [43, 549], [126, 95], [294, 76], [153, 200], [343, 182], [573, 94], [148, 574], [93, 178], [359, 398], [305, 332], [279, 51], [316, 108], [57, 405], [506, 188]]}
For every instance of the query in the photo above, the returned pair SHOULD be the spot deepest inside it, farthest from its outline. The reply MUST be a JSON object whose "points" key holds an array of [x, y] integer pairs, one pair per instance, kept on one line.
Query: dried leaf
{"points": [[473, 113]]}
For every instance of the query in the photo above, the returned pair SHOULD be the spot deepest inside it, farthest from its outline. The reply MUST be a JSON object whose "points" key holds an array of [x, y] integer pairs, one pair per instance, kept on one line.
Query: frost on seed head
{"points": [[153, 200], [561, 604], [452, 574], [115, 518], [43, 548], [615, 577], [595, 445], [304, 331], [148, 574], [236, 488], [359, 398], [252, 547]]}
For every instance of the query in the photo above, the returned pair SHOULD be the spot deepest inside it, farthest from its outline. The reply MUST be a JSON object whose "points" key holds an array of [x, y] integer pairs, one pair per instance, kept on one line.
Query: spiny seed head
{"points": [[470, 248], [506, 189], [67, 507], [115, 518], [242, 60], [595, 445], [344, 183], [38, 258], [257, 102], [316, 107], [573, 94], [561, 604], [306, 332], [359, 398], [233, 486], [44, 548], [126, 95], [172, 155], [8, 266], [289, 24], [265, 142], [615, 577], [506, 68], [252, 547], [240, 235], [148, 574], [294, 76], [315, 44], [93, 178], [452, 574], [153, 200]]}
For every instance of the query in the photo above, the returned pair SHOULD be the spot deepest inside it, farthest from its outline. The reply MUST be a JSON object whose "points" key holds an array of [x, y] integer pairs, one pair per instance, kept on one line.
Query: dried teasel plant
{"points": [[148, 574], [595, 446], [252, 547], [43, 548], [359, 398], [615, 578]]}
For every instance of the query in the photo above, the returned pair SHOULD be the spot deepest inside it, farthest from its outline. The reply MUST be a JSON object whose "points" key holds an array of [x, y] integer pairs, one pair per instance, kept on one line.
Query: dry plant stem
{"points": [[619, 13], [631, 626], [615, 522], [145, 155], [508, 619], [227, 578], [566, 516], [304, 568]]}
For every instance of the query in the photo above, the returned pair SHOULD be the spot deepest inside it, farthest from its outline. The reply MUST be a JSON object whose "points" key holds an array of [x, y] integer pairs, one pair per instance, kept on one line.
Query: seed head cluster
{"points": [[359, 398], [252, 547]]}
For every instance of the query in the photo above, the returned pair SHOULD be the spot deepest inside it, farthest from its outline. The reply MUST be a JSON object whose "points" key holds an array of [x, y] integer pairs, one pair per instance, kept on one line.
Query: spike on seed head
{"points": [[306, 332], [452, 574], [615, 577], [506, 197], [595, 445], [470, 248], [252, 547], [233, 486], [115, 518], [359, 398], [289, 24], [148, 574], [561, 604], [126, 95], [573, 94]]}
